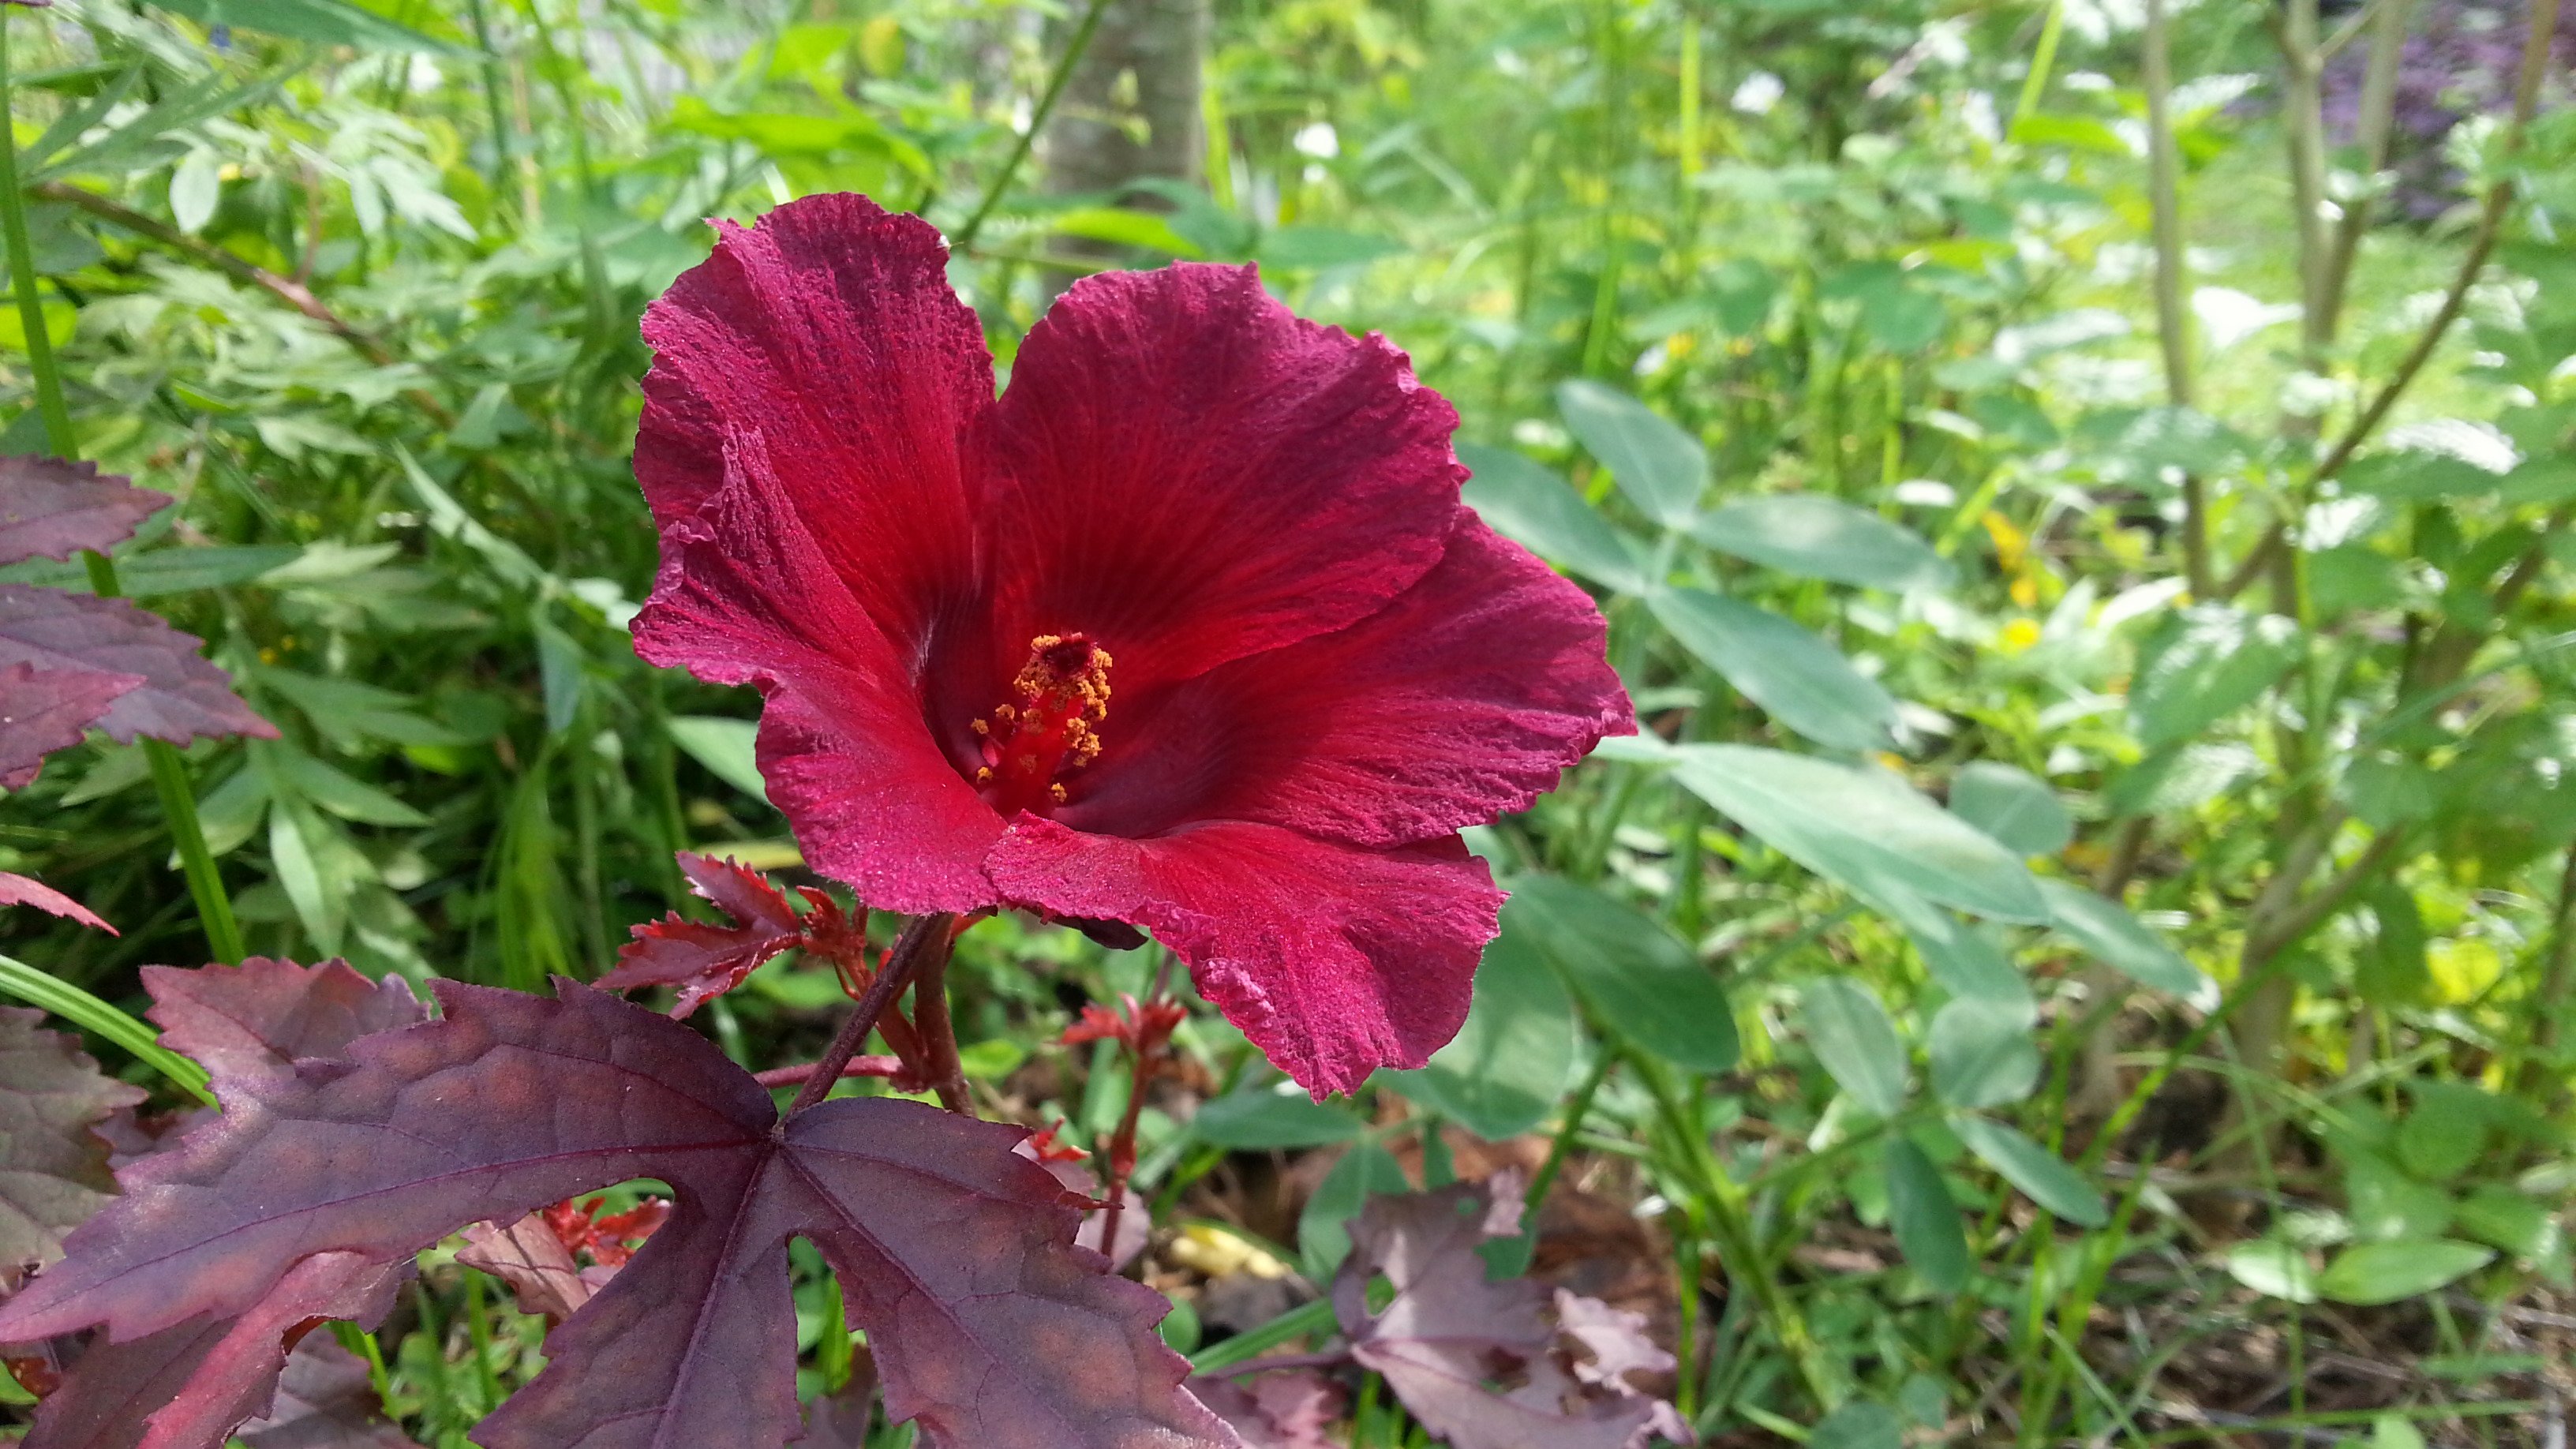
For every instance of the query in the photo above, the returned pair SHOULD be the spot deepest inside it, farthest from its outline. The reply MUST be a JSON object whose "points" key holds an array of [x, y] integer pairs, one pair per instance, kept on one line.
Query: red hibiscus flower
{"points": [[1187, 630]]}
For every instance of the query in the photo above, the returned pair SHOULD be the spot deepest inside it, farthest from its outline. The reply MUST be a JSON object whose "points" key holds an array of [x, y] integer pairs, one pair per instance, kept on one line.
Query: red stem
{"points": [[939, 1064], [925, 937], [857, 1067]]}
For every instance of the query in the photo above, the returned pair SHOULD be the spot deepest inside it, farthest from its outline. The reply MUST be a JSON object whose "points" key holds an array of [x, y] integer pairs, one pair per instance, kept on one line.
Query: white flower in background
{"points": [[1318, 140], [2228, 316], [1760, 92]]}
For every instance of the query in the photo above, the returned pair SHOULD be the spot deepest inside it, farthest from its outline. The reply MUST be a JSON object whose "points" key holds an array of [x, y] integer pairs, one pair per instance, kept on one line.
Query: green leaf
{"points": [[1967, 962], [2181, 777], [348, 798], [1313, 248], [2395, 969], [196, 184], [1124, 228], [1797, 678], [2446, 1133], [1926, 1221], [1262, 1118], [2204, 663], [165, 570], [1823, 538], [725, 746], [1982, 1054], [2388, 1206], [2014, 806], [2273, 1268], [2041, 1175], [2121, 941], [292, 856], [2388, 1272], [2416, 476], [1534, 508], [1323, 1238], [2499, 1216], [1506, 1067], [1859, 1424], [324, 22], [1661, 468], [1862, 828], [1644, 982], [1858, 1045]]}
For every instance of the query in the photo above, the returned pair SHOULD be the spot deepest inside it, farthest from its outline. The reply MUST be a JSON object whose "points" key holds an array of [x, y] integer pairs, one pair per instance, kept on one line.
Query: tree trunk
{"points": [[1131, 109]]}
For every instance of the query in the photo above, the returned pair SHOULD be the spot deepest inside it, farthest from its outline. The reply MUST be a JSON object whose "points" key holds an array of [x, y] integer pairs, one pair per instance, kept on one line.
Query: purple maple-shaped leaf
{"points": [[706, 960], [325, 1400], [1479, 1363], [954, 1253], [262, 1017], [18, 890], [53, 509], [187, 1386], [53, 1167], [1282, 1409], [181, 697], [44, 710]]}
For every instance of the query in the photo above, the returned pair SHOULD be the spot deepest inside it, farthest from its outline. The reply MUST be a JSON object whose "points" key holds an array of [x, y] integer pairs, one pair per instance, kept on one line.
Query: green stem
{"points": [[1055, 85], [169, 772], [2042, 61], [22, 272], [1730, 1221]]}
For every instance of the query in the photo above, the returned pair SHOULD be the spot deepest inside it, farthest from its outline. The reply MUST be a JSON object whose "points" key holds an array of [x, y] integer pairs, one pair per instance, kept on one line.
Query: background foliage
{"points": [[2080, 494]]}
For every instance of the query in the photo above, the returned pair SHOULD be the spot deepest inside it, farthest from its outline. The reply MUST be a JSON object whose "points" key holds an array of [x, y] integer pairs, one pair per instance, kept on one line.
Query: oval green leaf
{"points": [[1862, 828], [1249, 1121], [1660, 467], [2388, 1272], [1926, 1221], [1982, 1054], [2014, 806], [1643, 981], [1506, 1067], [1822, 538], [1799, 680], [2042, 1175], [2124, 943], [1858, 1045], [1538, 510]]}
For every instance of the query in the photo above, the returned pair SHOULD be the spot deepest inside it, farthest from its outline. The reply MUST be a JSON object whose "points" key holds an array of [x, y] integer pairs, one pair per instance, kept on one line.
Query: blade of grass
{"points": [[69, 1002]]}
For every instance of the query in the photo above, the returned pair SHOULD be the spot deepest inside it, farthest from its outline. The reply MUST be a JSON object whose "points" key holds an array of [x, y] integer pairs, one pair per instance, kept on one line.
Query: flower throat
{"points": [[1052, 731]]}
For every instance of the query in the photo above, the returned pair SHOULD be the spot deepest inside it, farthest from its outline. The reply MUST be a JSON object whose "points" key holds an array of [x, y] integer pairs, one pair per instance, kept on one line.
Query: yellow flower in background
{"points": [[2019, 635]]}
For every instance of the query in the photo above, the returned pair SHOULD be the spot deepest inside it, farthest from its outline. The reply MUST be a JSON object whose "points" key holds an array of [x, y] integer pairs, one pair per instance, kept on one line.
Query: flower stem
{"points": [[925, 937], [939, 1038], [169, 772], [1055, 85], [859, 1066]]}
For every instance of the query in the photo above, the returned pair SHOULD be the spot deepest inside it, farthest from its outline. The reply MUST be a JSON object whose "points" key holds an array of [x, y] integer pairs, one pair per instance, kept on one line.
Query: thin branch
{"points": [[2482, 244], [1056, 83], [2373, 130], [2267, 940], [2173, 320], [286, 289], [939, 1038], [925, 936]]}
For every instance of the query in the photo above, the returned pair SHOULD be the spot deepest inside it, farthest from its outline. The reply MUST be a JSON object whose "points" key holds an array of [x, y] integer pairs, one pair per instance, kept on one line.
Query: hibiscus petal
{"points": [[1335, 961], [1191, 473], [830, 328], [1462, 700], [744, 596]]}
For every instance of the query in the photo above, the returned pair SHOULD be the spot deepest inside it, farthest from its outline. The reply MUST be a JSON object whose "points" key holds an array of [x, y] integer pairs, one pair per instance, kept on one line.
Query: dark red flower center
{"points": [[1050, 731]]}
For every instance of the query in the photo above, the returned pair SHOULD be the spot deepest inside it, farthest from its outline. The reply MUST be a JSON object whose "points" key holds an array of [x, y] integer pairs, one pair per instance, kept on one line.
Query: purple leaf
{"points": [[188, 1385], [542, 1273], [42, 711], [18, 890], [181, 697], [261, 1017], [53, 1167], [839, 1420], [324, 1401], [956, 1254], [1477, 1362], [57, 509], [1282, 1409], [704, 960]]}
